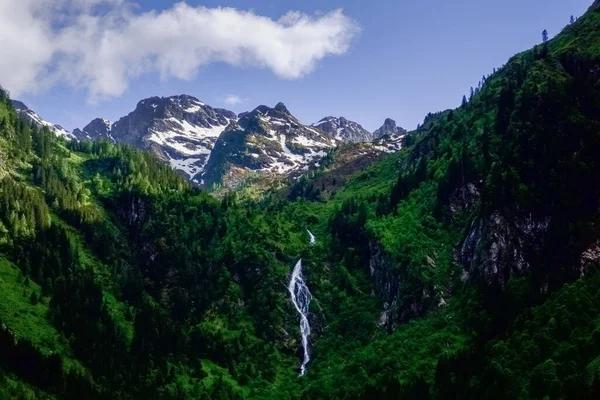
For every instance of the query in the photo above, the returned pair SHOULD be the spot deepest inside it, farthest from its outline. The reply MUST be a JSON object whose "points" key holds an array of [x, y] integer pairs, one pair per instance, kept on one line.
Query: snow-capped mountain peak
{"points": [[30, 115], [181, 130], [342, 129]]}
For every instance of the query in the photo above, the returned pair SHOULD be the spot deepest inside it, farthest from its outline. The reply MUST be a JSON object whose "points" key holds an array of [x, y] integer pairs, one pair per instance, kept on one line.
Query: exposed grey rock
{"points": [[98, 129], [496, 248], [590, 256], [464, 199], [389, 128], [391, 284]]}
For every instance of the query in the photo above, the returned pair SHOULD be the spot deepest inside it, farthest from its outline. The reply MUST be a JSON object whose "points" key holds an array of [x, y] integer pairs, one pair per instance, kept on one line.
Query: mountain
{"points": [[31, 116], [268, 141], [466, 266], [389, 138], [389, 128], [343, 130], [98, 129], [211, 145], [180, 130]]}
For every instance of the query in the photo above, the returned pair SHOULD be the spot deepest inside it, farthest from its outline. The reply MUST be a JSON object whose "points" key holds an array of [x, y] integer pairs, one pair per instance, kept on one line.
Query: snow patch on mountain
{"points": [[390, 143], [185, 138], [389, 138], [191, 166]]}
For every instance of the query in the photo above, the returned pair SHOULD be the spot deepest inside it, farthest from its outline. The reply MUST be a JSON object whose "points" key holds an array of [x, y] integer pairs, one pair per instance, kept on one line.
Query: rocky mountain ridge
{"points": [[34, 118], [215, 146], [266, 141]]}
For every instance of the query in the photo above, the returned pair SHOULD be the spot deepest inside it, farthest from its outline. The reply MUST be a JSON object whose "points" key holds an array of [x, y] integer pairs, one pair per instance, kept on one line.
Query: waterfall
{"points": [[313, 239], [301, 298]]}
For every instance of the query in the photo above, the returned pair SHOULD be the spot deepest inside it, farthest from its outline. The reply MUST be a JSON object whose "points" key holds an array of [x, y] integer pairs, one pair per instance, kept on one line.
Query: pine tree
{"points": [[471, 93], [572, 19], [33, 298], [544, 36], [464, 101]]}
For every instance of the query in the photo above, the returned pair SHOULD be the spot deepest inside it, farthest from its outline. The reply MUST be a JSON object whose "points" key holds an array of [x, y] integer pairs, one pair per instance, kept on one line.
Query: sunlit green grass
{"points": [[25, 319]]}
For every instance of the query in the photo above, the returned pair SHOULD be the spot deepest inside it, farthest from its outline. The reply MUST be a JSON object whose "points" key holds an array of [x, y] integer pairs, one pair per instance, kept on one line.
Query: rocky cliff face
{"points": [[98, 129], [344, 130], [497, 247], [389, 128], [402, 300]]}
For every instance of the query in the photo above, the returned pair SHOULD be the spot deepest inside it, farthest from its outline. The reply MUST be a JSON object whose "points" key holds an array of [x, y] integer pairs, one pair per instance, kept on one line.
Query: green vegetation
{"points": [[462, 266]]}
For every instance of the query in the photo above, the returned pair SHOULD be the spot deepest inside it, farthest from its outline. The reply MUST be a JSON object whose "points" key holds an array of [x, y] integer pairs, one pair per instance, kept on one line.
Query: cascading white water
{"points": [[301, 298], [313, 239]]}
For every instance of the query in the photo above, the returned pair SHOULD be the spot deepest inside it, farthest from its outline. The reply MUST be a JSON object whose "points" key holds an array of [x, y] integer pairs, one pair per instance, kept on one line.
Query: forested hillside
{"points": [[463, 266]]}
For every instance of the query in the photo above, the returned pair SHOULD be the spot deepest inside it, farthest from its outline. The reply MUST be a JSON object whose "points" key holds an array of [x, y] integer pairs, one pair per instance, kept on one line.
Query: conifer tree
{"points": [[544, 36]]}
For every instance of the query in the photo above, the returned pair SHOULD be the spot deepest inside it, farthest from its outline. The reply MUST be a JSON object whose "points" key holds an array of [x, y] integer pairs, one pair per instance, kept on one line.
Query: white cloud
{"points": [[232, 99], [101, 45]]}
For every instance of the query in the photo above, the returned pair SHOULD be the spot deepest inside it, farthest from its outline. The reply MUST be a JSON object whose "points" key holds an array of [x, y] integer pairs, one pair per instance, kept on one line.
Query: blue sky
{"points": [[410, 58]]}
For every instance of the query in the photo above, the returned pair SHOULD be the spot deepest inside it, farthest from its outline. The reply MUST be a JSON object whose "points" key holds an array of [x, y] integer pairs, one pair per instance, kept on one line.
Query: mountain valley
{"points": [[188, 252]]}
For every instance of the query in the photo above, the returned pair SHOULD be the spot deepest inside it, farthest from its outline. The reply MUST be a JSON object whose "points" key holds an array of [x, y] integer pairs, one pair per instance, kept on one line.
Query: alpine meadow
{"points": [[190, 252]]}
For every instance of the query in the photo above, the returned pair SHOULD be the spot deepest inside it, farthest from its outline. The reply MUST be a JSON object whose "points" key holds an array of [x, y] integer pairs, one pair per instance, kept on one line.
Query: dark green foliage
{"points": [[23, 359], [548, 353]]}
